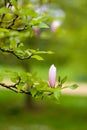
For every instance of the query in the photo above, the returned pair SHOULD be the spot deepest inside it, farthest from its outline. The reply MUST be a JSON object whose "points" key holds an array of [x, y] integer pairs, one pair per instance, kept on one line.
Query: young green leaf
{"points": [[4, 30], [20, 86], [57, 93], [64, 80], [28, 52], [74, 86], [14, 79], [44, 52], [32, 50], [42, 25], [5, 10], [39, 95], [14, 3], [50, 52], [37, 57], [28, 12], [33, 91]]}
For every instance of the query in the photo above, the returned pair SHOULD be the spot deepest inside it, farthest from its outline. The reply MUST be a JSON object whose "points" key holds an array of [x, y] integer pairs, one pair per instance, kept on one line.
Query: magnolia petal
{"points": [[52, 76]]}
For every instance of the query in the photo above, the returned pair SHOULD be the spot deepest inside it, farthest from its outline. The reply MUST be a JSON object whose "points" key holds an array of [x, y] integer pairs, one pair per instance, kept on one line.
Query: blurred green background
{"points": [[70, 114], [70, 57]]}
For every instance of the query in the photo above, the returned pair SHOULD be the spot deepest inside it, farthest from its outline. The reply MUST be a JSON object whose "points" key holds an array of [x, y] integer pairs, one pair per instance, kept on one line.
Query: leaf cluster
{"points": [[16, 23]]}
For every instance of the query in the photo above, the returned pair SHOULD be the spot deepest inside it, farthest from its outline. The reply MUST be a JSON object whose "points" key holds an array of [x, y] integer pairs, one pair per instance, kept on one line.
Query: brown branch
{"points": [[13, 22], [8, 87], [14, 88], [18, 29], [25, 92], [12, 52]]}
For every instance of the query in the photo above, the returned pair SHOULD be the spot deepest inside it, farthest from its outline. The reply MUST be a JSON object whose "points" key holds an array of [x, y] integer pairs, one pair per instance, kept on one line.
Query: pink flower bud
{"points": [[52, 76], [55, 25], [36, 30]]}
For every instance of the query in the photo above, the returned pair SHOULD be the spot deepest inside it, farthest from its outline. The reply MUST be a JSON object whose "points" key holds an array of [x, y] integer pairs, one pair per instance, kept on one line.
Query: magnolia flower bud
{"points": [[36, 30], [55, 24], [52, 76]]}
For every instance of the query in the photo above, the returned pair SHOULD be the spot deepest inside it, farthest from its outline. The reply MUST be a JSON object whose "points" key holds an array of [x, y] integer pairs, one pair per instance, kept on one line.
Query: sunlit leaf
{"points": [[4, 30], [14, 3], [5, 10], [64, 80], [20, 86], [33, 91], [44, 52], [32, 50], [28, 52], [57, 93], [37, 57], [74, 86], [29, 12], [42, 25]]}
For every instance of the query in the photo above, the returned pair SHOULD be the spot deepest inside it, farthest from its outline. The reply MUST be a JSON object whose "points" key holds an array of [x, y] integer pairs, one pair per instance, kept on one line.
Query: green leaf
{"points": [[39, 95], [23, 76], [21, 45], [32, 50], [20, 86], [13, 43], [28, 52], [19, 52], [65, 87], [44, 52], [42, 25], [33, 91], [3, 30], [57, 93], [74, 86], [5, 10], [50, 52], [64, 80], [14, 3], [29, 12], [13, 76], [14, 79], [36, 21], [37, 57]]}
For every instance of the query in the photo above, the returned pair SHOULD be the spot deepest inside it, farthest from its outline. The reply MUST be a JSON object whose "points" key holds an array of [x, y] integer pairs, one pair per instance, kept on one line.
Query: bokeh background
{"points": [[68, 42]]}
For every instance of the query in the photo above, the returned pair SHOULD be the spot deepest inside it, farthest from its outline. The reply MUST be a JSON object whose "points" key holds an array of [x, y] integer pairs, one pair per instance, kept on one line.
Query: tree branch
{"points": [[12, 52], [8, 4], [14, 88]]}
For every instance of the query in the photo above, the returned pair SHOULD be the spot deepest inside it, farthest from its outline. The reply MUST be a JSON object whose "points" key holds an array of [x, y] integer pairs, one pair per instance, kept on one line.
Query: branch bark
{"points": [[13, 53], [14, 88]]}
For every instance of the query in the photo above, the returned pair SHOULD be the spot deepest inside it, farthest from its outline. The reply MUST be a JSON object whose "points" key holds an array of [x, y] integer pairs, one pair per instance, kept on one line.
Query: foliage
{"points": [[16, 24], [69, 42]]}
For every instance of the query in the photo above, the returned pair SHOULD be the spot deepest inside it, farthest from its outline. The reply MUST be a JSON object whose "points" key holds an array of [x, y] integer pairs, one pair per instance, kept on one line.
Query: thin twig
{"points": [[13, 85], [14, 88], [26, 92], [20, 29], [13, 22], [12, 52]]}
